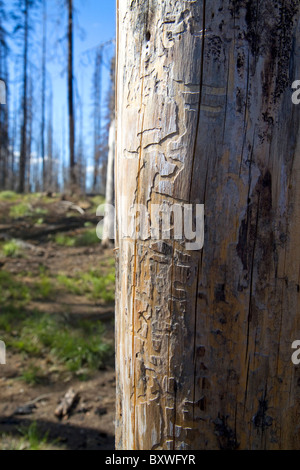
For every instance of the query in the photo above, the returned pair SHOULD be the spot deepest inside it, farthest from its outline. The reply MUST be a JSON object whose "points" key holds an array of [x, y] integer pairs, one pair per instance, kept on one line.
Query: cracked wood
{"points": [[204, 115]]}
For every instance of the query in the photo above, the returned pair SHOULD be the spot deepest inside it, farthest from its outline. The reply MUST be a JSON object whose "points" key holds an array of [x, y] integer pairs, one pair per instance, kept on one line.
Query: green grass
{"points": [[88, 224], [20, 210], [28, 438], [78, 347], [11, 316], [99, 287], [11, 249], [75, 348], [64, 240], [32, 438], [39, 221], [81, 349], [93, 284], [111, 262], [71, 284], [15, 294], [43, 289], [39, 211], [87, 238], [24, 209], [8, 196], [12, 290], [96, 201], [32, 375]]}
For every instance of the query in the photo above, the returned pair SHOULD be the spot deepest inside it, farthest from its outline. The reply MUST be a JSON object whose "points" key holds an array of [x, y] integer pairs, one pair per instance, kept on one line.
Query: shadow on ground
{"points": [[61, 434]]}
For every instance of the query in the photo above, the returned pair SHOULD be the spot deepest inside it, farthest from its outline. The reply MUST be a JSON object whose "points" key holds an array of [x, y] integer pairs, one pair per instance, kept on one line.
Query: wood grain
{"points": [[204, 115]]}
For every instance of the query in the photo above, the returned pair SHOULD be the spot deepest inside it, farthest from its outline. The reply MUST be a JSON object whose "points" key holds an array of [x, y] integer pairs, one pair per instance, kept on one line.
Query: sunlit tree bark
{"points": [[108, 226], [205, 116]]}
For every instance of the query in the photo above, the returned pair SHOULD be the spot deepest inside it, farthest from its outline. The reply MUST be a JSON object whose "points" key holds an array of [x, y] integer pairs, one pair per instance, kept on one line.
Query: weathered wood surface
{"points": [[108, 224], [69, 400], [204, 115]]}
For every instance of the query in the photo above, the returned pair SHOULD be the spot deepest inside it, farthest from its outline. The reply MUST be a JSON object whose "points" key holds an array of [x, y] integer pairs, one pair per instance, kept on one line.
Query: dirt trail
{"points": [[91, 424]]}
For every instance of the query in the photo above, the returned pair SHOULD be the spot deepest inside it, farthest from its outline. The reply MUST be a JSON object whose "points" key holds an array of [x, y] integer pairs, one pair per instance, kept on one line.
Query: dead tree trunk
{"points": [[23, 145], [73, 176], [108, 226], [43, 107], [97, 95], [205, 115]]}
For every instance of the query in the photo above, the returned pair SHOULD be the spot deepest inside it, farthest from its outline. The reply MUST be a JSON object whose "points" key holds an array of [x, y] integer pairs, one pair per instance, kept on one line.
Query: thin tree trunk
{"points": [[4, 137], [97, 92], [4, 114], [205, 116], [23, 150], [81, 161], [50, 175], [44, 93], [13, 141], [108, 226], [73, 178], [29, 137]]}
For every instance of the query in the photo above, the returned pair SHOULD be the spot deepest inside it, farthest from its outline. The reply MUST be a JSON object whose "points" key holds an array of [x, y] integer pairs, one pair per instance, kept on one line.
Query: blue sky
{"points": [[96, 19], [94, 24]]}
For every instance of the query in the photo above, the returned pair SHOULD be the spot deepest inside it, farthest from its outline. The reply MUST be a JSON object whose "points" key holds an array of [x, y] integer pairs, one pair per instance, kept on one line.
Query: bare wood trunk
{"points": [[108, 226], [204, 115]]}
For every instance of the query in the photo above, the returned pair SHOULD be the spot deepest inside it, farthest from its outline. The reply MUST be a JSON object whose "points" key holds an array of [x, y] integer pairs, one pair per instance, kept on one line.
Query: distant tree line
{"points": [[31, 157]]}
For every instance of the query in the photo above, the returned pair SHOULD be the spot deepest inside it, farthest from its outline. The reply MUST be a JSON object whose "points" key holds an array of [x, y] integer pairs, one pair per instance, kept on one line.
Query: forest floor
{"points": [[57, 321]]}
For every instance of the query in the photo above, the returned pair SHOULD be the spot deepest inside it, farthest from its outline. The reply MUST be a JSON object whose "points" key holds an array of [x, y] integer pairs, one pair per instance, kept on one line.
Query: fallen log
{"points": [[32, 232], [67, 403]]}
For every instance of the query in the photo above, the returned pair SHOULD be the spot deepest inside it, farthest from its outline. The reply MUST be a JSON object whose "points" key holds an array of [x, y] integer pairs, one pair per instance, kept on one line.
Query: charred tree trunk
{"points": [[4, 115], [23, 149], [205, 116], [4, 121], [73, 176]]}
